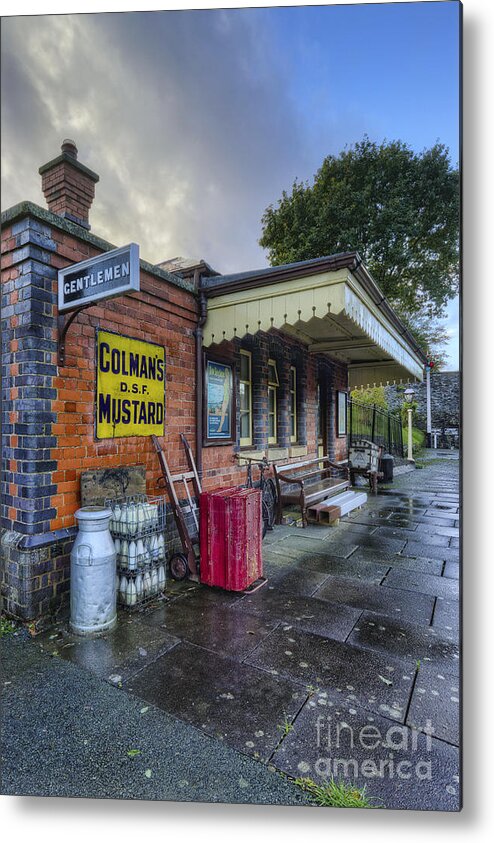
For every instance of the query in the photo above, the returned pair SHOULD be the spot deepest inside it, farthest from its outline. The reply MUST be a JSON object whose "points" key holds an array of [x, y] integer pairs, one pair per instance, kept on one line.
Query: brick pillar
{"points": [[260, 356], [306, 404], [281, 354], [29, 585]]}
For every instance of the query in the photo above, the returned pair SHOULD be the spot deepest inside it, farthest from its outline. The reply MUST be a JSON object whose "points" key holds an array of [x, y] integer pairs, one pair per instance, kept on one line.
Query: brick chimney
{"points": [[68, 185]]}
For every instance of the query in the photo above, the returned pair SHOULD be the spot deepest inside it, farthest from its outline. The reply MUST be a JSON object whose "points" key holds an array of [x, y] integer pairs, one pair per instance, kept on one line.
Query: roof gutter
{"points": [[199, 336]]}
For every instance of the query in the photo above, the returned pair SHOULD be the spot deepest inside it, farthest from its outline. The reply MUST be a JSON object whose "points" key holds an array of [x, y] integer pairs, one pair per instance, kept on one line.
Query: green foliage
{"points": [[405, 407], [373, 395], [6, 627], [287, 726], [399, 209], [333, 794]]}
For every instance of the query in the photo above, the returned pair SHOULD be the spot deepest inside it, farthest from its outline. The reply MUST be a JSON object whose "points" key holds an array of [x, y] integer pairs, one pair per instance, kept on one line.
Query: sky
{"points": [[196, 121]]}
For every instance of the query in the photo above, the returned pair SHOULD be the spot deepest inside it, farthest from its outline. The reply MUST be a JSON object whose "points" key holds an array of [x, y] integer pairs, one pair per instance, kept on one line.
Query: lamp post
{"points": [[409, 394]]}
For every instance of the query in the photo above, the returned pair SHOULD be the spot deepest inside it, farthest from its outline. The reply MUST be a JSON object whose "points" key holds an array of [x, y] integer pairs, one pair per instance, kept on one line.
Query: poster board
{"points": [[130, 387], [219, 402]]}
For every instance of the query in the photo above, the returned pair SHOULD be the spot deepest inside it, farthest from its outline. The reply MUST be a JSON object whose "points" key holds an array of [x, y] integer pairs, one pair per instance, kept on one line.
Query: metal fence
{"points": [[367, 421]]}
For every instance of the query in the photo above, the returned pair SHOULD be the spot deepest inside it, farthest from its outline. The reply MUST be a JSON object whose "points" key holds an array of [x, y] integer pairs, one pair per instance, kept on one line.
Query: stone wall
{"points": [[445, 400]]}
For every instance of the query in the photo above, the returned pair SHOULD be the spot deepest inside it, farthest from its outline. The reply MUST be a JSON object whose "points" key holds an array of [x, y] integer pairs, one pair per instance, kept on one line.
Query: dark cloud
{"points": [[186, 116]]}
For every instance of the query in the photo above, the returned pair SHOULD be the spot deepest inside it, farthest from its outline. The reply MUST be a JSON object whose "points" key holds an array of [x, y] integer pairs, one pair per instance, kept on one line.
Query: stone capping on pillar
{"points": [[68, 185]]}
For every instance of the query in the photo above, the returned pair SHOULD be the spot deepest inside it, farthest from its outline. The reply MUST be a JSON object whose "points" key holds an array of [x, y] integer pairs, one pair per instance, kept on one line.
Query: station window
{"points": [[273, 384], [245, 398], [293, 404]]}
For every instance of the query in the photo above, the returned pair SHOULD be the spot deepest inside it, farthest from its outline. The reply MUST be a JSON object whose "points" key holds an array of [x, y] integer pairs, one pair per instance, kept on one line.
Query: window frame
{"points": [[273, 386], [245, 441], [341, 399], [293, 404]]}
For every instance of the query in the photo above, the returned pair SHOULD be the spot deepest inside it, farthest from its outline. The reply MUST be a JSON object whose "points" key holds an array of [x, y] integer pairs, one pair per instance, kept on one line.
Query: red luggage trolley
{"points": [[231, 538]]}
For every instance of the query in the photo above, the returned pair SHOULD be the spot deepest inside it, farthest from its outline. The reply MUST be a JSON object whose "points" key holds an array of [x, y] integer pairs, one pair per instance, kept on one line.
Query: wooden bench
{"points": [[309, 482]]}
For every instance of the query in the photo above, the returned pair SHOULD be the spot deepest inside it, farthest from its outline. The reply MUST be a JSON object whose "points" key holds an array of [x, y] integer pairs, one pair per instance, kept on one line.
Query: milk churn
{"points": [[93, 595]]}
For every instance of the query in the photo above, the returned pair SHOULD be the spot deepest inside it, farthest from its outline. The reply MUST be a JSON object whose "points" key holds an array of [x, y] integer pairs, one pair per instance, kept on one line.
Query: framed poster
{"points": [[341, 410], [219, 402]]}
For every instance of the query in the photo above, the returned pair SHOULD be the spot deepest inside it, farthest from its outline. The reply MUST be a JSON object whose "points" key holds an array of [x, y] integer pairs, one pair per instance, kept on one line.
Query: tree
{"points": [[397, 208], [374, 396], [430, 334]]}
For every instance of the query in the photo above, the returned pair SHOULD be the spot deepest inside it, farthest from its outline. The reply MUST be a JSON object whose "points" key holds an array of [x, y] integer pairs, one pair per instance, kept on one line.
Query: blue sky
{"points": [[197, 120]]}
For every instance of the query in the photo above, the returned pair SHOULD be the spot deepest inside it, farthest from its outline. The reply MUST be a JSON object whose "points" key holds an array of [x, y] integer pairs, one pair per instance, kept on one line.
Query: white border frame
{"points": [[132, 285]]}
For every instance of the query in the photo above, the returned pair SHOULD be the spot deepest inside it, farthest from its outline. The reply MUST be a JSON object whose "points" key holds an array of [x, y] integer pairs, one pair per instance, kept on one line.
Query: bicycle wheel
{"points": [[269, 503], [265, 518]]}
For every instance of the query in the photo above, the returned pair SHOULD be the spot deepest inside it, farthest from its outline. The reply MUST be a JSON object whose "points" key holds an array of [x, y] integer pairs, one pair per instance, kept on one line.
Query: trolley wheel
{"points": [[179, 567]]}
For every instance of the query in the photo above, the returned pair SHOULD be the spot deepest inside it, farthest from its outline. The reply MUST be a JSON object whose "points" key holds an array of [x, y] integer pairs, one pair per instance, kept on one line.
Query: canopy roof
{"points": [[331, 304]]}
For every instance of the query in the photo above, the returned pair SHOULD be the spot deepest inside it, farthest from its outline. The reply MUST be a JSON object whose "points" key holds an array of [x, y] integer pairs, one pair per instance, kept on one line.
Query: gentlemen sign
{"points": [[103, 277], [130, 387]]}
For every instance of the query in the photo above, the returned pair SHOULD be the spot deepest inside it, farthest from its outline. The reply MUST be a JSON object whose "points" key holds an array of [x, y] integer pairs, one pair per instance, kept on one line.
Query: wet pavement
{"points": [[355, 635]]}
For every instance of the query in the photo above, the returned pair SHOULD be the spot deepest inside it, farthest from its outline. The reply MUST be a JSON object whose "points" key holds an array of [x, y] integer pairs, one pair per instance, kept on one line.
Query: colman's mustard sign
{"points": [[130, 392]]}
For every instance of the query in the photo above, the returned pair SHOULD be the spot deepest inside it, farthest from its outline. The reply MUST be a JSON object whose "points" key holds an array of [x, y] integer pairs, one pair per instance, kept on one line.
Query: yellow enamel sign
{"points": [[130, 391]]}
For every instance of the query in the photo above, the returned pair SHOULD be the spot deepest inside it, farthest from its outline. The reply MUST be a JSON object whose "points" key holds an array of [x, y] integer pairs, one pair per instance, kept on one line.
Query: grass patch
{"points": [[333, 794], [6, 627], [287, 726], [418, 439]]}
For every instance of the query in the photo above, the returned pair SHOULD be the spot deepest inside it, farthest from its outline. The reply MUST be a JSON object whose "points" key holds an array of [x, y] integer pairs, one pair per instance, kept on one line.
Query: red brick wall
{"points": [[57, 408], [159, 313]]}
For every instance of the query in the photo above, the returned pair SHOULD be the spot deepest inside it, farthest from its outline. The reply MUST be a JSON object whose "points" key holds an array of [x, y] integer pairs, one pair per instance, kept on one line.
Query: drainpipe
{"points": [[198, 333]]}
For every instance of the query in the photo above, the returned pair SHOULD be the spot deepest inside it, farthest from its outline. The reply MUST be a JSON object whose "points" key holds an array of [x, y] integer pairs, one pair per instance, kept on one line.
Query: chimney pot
{"points": [[69, 147]]}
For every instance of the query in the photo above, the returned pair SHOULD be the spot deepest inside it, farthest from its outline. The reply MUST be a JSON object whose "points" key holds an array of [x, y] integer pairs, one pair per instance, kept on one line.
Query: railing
{"points": [[366, 421]]}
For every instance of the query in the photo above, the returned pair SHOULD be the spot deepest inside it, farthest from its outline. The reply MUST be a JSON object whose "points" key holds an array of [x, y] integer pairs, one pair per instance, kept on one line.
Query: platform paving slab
{"points": [[452, 570], [424, 523], [402, 530], [114, 656], [301, 543], [313, 615], [65, 732], [447, 616], [210, 626], [420, 548], [422, 584], [431, 537], [451, 532], [436, 703], [422, 644], [377, 598], [235, 703], [325, 565], [399, 767], [354, 529], [299, 582], [381, 684], [414, 563], [422, 564]]}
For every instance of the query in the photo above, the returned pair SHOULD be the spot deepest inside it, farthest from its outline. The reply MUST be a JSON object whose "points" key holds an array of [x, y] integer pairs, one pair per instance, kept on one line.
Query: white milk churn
{"points": [[93, 594]]}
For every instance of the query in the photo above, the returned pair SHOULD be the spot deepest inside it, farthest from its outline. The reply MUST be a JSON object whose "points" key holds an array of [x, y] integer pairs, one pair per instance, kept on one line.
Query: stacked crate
{"points": [[137, 526]]}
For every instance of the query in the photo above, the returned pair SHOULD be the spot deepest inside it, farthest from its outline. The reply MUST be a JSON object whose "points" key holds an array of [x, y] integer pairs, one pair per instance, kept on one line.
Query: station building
{"points": [[256, 363]]}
